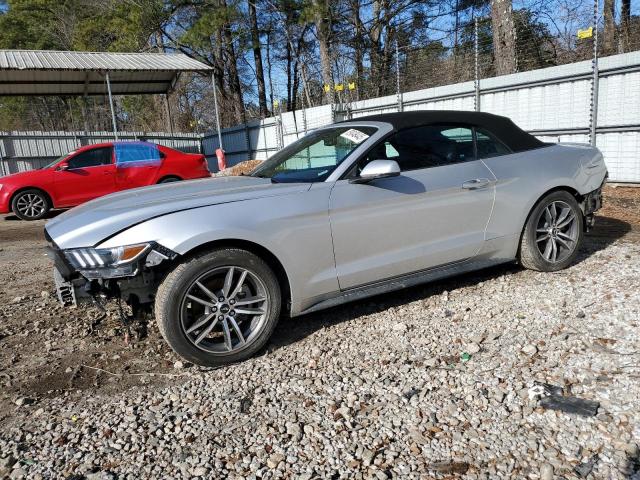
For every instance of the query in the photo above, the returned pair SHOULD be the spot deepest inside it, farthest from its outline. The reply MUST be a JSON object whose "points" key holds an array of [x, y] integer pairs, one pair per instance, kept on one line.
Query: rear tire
{"points": [[218, 307], [31, 204], [553, 233]]}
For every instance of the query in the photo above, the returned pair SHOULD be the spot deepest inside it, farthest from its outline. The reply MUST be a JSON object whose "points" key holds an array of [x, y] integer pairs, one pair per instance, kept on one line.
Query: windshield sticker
{"points": [[355, 136]]}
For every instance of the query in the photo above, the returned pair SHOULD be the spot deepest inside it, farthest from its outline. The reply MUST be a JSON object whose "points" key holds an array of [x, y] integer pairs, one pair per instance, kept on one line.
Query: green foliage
{"points": [[30, 24]]}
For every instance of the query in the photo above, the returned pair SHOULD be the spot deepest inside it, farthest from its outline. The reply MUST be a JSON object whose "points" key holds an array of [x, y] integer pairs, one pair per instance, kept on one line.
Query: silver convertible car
{"points": [[351, 210]]}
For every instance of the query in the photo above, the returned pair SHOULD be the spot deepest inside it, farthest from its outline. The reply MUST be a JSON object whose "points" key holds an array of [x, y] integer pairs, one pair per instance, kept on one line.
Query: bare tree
{"points": [[608, 42], [257, 57], [625, 25], [504, 33], [323, 23]]}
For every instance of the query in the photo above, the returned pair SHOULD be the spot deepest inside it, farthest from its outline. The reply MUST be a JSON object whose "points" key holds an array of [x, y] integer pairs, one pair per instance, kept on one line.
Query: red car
{"points": [[93, 171]]}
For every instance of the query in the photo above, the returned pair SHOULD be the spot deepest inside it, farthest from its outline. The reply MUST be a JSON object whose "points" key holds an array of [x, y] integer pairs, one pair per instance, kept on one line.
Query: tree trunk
{"points": [[358, 47], [234, 78], [269, 70], [323, 32], [625, 25], [288, 56], [257, 57], [504, 37], [608, 42]]}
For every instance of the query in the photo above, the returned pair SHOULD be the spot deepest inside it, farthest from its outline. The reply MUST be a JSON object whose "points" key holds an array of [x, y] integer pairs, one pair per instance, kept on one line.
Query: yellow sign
{"points": [[352, 86], [276, 103], [327, 88], [339, 87], [586, 33]]}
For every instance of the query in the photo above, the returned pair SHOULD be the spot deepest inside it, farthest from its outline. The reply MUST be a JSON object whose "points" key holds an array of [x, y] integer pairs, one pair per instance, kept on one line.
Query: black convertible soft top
{"points": [[503, 128]]}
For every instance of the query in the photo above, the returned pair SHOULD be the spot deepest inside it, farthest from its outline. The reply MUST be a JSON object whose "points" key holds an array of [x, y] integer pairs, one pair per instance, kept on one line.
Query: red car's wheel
{"points": [[31, 204]]}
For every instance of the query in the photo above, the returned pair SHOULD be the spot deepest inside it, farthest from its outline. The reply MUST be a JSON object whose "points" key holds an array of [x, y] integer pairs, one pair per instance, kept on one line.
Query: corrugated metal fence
{"points": [[552, 103]]}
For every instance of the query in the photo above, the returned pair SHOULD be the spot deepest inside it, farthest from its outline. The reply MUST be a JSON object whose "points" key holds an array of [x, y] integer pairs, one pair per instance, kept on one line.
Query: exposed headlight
{"points": [[106, 262]]}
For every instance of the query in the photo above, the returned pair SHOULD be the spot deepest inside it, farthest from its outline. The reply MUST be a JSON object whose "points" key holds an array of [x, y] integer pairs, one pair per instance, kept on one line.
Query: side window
{"points": [[426, 147], [91, 158], [136, 152], [489, 146]]}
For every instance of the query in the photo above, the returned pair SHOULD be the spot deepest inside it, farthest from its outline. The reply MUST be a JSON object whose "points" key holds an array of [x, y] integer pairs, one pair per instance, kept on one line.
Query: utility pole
{"points": [[398, 91], [113, 112], [476, 75], [593, 119]]}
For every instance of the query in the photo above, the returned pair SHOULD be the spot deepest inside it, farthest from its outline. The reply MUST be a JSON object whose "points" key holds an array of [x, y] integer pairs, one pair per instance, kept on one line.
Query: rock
{"points": [[22, 401], [367, 456], [45, 294], [472, 348], [103, 475], [294, 430], [7, 462], [17, 473], [199, 471], [275, 459], [530, 349], [178, 365], [431, 362], [546, 471], [399, 327]]}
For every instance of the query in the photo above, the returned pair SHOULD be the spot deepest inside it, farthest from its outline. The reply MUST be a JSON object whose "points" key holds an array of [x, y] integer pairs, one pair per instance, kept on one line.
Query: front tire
{"points": [[553, 233], [31, 204], [218, 307]]}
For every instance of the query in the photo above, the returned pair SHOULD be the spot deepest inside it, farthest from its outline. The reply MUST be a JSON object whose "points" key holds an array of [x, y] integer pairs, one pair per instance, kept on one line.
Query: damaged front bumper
{"points": [[591, 204], [136, 284]]}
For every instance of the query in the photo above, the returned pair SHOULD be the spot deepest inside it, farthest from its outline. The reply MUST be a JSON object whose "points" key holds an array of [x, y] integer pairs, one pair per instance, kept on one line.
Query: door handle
{"points": [[475, 183]]}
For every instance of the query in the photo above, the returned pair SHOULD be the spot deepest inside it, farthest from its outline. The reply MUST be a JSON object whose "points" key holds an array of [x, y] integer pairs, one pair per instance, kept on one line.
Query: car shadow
{"points": [[50, 214], [291, 330], [606, 231]]}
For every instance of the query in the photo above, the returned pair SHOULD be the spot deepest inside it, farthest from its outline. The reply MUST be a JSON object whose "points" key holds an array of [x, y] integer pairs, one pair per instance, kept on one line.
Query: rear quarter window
{"points": [[136, 154], [489, 146]]}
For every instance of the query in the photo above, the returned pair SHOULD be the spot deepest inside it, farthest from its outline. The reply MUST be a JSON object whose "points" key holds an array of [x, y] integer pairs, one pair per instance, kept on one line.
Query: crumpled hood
{"points": [[91, 223]]}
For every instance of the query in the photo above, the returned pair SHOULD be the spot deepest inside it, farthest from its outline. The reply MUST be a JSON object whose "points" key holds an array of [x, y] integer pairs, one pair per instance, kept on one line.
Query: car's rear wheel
{"points": [[219, 307], [31, 204], [553, 233]]}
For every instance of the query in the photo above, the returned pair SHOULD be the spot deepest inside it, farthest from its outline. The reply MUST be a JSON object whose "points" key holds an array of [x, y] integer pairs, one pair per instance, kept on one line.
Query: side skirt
{"points": [[405, 281]]}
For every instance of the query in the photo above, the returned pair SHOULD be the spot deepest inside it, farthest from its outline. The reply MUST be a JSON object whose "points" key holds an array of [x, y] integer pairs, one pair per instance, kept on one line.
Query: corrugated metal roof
{"points": [[97, 61], [44, 72]]}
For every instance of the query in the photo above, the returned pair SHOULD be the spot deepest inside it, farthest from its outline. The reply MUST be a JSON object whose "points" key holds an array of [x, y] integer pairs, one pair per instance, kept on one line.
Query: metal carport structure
{"points": [[53, 73]]}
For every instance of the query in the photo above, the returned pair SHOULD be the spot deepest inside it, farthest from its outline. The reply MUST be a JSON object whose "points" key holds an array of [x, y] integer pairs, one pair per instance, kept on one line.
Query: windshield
{"points": [[315, 156], [57, 160]]}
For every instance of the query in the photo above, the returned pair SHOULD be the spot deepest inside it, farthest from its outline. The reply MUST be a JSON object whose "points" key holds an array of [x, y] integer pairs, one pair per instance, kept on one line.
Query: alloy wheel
{"points": [[224, 310], [557, 231], [31, 205]]}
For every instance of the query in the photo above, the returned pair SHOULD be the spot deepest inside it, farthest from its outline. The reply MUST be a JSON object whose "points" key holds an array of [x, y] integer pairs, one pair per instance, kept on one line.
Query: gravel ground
{"points": [[431, 382]]}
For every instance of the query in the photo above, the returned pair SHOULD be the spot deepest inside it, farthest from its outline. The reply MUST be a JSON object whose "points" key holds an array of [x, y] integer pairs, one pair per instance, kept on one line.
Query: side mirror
{"points": [[63, 167], [377, 169]]}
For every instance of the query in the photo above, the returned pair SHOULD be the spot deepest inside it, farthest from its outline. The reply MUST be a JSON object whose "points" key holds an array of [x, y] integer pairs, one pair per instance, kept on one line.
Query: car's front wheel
{"points": [[31, 204], [218, 307], [553, 233]]}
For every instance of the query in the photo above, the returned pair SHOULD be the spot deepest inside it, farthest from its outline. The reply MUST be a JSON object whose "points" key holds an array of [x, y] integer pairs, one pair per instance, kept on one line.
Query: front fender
{"points": [[294, 228]]}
